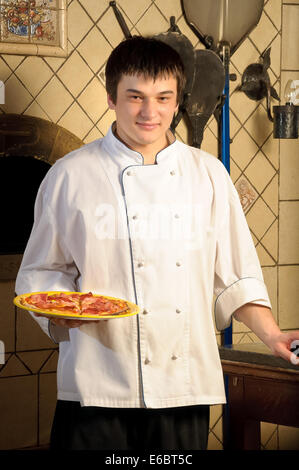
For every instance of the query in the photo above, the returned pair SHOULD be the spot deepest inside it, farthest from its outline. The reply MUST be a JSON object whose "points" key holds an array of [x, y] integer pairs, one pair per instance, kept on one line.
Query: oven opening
{"points": [[21, 178]]}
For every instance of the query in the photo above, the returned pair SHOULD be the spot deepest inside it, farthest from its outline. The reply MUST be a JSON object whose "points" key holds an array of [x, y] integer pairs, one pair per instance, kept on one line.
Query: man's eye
{"points": [[135, 97]]}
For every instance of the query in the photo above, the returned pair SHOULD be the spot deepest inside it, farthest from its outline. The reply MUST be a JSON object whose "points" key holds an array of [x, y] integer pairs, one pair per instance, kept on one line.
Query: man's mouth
{"points": [[147, 126]]}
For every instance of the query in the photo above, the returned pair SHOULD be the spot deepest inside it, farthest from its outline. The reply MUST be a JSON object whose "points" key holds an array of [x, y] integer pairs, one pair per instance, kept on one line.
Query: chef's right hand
{"points": [[67, 323]]}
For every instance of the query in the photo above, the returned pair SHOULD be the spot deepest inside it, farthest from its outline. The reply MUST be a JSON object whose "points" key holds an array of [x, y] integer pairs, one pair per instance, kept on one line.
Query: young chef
{"points": [[141, 216]]}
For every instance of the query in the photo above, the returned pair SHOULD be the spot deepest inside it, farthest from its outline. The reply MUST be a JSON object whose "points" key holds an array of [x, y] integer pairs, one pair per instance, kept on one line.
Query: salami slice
{"points": [[75, 303]]}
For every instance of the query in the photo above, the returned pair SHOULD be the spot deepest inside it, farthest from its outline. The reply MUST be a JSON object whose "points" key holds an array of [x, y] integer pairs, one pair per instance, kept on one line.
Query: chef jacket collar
{"points": [[118, 149]]}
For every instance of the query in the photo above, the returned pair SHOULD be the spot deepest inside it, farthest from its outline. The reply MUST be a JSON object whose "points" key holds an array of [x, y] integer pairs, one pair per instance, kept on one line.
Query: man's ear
{"points": [[110, 102]]}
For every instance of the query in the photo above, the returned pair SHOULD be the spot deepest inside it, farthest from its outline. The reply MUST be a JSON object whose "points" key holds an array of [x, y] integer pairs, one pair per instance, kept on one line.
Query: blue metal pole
{"points": [[225, 147]]}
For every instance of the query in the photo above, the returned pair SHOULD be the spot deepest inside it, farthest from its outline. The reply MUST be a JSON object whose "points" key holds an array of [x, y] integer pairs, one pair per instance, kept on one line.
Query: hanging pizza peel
{"points": [[222, 25]]}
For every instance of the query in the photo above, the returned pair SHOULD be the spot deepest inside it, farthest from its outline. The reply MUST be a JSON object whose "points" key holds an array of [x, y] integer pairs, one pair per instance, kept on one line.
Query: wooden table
{"points": [[260, 387]]}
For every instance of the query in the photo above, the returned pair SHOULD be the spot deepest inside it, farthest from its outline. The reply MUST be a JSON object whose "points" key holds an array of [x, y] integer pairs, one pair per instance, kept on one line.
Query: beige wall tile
{"points": [[17, 97], [290, 37], [288, 438], [5, 71], [7, 315], [271, 280], [260, 172], [18, 411], [79, 23], [134, 10], [273, 9], [270, 241], [95, 49], [289, 169], [47, 404], [264, 33], [271, 150], [288, 297], [259, 126], [94, 99], [152, 22], [29, 334], [55, 99], [75, 74], [259, 218], [35, 110], [289, 232], [93, 135], [264, 256], [41, 77], [243, 148], [111, 29], [13, 367], [245, 55], [34, 360], [95, 8], [76, 121], [106, 121], [270, 195], [170, 8], [267, 431]]}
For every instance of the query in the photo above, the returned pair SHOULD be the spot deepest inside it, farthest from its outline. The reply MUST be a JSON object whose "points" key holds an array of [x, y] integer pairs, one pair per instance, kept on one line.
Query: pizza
{"points": [[74, 303]]}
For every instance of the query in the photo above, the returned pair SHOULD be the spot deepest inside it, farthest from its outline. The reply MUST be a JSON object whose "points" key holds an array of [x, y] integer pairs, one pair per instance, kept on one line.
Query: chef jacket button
{"points": [[178, 263], [135, 217], [129, 173], [146, 361], [172, 172], [177, 216], [140, 265], [178, 310], [145, 312], [174, 357]]}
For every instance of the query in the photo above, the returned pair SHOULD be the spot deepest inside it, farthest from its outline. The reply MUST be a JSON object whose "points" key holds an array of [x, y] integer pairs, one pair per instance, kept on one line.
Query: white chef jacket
{"points": [[169, 237]]}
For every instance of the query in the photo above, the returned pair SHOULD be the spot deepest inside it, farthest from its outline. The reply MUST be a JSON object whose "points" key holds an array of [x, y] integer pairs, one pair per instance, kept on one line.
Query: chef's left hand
{"points": [[283, 344]]}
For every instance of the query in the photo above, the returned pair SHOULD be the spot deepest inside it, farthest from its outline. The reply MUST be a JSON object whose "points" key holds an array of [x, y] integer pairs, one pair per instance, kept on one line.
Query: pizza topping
{"points": [[82, 304]]}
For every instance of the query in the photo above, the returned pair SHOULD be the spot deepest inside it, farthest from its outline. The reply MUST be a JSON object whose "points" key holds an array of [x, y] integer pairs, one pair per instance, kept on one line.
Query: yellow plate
{"points": [[133, 309]]}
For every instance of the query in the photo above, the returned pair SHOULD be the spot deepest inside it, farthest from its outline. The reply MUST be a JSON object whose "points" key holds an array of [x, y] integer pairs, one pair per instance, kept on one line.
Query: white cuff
{"points": [[237, 294], [58, 333]]}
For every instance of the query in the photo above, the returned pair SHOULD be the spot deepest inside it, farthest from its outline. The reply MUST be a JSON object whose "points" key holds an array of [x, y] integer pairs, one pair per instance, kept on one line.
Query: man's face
{"points": [[144, 111]]}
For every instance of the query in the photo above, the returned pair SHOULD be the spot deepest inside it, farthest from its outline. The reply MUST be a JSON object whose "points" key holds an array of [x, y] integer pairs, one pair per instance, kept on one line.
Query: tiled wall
{"points": [[70, 92]]}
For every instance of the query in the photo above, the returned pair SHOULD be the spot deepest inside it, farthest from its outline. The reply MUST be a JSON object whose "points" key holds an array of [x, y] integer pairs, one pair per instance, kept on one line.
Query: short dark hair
{"points": [[149, 57]]}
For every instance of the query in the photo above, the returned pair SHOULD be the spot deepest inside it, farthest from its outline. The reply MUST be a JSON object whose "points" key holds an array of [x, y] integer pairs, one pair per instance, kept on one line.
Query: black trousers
{"points": [[95, 428]]}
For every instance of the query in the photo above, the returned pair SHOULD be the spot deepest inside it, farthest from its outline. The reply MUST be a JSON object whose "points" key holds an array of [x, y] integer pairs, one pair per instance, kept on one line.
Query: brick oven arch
{"points": [[28, 146]]}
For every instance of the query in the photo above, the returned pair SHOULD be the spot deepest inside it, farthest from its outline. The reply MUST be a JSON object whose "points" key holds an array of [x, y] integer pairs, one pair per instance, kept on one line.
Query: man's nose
{"points": [[149, 109]]}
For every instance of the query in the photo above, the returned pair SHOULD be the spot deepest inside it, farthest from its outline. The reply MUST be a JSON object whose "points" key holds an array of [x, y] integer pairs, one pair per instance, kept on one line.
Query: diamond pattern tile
{"points": [[94, 8], [264, 33], [71, 91], [247, 193], [54, 99], [260, 172], [76, 121], [17, 98], [79, 23], [94, 100], [243, 148], [24, 73], [259, 126], [259, 218], [152, 22], [75, 74], [114, 34], [94, 49], [134, 10]]}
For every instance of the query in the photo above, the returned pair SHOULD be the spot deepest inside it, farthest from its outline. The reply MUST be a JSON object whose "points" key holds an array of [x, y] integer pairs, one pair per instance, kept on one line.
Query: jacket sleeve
{"points": [[238, 273], [47, 264]]}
